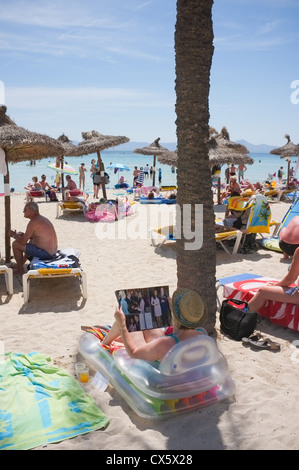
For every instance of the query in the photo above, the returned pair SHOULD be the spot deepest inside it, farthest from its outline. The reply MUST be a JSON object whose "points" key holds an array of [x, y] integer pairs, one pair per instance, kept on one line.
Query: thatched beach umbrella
{"points": [[94, 142], [221, 150], [154, 149], [69, 150], [286, 151], [19, 144]]}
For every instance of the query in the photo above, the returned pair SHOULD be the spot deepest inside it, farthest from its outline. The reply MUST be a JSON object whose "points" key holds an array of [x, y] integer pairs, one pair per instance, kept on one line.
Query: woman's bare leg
{"points": [[275, 293]]}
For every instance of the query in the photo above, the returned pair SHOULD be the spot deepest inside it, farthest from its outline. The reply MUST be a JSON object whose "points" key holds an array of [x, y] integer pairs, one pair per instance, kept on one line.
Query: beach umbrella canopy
{"points": [[94, 142], [154, 149], [69, 150], [67, 169], [286, 151], [223, 150], [18, 144], [118, 167]]}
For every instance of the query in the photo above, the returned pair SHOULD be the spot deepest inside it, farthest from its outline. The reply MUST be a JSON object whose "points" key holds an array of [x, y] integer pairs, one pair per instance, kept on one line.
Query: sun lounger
{"points": [[50, 273], [244, 288], [36, 193], [8, 278], [65, 264], [168, 234], [73, 192], [69, 206]]}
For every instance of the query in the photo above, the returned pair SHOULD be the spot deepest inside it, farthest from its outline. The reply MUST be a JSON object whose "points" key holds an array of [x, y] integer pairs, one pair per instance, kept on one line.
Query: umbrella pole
{"points": [[154, 171], [288, 180], [7, 213], [219, 191], [62, 175], [102, 170]]}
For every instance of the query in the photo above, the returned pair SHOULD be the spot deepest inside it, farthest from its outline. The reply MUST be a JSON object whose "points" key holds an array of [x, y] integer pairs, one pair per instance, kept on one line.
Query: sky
{"points": [[68, 66]]}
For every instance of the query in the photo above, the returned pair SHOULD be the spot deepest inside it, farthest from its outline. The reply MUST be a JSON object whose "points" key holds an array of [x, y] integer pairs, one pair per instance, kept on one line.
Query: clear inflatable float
{"points": [[193, 375]]}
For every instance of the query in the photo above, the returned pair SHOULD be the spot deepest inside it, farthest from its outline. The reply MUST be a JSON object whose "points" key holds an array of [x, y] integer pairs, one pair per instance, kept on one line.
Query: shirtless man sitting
{"points": [[39, 240]]}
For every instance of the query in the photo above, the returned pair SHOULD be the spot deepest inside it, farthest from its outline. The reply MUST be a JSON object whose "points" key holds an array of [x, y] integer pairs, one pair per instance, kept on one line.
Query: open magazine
{"points": [[145, 308]]}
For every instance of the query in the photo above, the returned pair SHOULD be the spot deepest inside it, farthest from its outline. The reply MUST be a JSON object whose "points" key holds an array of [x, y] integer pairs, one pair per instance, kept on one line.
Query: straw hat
{"points": [[188, 308]]}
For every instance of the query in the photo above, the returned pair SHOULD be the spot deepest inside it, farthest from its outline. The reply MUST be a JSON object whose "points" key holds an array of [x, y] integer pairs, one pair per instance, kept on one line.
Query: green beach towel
{"points": [[40, 403]]}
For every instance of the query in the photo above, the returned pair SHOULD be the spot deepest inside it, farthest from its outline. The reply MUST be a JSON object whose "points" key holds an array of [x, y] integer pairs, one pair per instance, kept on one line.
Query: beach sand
{"points": [[264, 411]]}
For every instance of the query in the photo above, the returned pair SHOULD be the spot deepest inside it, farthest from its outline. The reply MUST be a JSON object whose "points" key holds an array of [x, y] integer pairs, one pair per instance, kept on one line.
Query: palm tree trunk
{"points": [[196, 263]]}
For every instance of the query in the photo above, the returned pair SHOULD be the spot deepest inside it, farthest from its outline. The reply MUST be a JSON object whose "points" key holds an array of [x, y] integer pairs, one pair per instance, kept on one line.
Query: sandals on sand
{"points": [[257, 341]]}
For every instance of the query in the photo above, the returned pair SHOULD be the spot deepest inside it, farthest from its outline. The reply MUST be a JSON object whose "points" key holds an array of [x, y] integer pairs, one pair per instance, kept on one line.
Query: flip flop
{"points": [[257, 341], [253, 337], [265, 344]]}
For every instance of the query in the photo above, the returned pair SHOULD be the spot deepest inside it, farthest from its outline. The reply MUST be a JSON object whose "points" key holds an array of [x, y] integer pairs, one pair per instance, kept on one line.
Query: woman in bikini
{"points": [[188, 313]]}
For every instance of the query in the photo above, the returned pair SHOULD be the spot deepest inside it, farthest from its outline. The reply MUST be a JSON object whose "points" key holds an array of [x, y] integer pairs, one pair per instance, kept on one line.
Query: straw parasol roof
{"points": [[68, 149], [286, 151], [168, 158], [154, 149], [221, 150], [94, 142], [19, 144]]}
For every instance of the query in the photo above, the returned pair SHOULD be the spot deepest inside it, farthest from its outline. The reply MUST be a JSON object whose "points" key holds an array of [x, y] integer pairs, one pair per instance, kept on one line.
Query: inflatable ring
{"points": [[192, 375]]}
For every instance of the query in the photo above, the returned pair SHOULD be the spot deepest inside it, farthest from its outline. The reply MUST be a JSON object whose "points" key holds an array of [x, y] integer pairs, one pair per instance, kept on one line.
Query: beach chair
{"points": [[168, 234], [69, 206], [8, 278], [258, 214], [36, 193], [272, 243], [73, 192], [244, 286], [66, 264], [51, 273]]}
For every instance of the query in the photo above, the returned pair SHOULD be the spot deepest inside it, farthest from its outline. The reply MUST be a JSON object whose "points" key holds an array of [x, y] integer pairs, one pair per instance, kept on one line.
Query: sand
{"points": [[263, 414]]}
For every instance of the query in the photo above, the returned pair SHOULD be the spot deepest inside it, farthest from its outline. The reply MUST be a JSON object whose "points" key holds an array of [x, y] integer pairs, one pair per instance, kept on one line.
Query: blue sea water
{"points": [[21, 173]]}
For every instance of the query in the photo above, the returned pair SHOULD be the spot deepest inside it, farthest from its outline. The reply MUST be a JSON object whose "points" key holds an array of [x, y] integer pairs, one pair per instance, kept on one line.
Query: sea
{"points": [[21, 174]]}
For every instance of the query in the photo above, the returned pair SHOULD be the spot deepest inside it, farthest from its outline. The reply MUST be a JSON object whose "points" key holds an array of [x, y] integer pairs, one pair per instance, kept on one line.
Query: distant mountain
{"points": [[130, 146], [262, 148]]}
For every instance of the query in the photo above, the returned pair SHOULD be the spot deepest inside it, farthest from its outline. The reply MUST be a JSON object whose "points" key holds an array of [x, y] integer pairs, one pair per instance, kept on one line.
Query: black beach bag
{"points": [[235, 319]]}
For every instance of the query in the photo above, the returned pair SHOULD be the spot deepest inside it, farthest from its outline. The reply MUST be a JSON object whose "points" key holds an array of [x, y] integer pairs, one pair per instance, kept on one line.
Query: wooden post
{"points": [[219, 191], [7, 214]]}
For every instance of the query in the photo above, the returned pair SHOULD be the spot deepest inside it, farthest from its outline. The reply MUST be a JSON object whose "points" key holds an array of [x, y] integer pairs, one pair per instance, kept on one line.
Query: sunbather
{"points": [[188, 314], [279, 291], [34, 186], [39, 240], [289, 238]]}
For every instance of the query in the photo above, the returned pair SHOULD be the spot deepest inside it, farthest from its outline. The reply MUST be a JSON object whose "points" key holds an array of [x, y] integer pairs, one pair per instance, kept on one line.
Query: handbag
{"points": [[235, 319], [97, 179]]}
